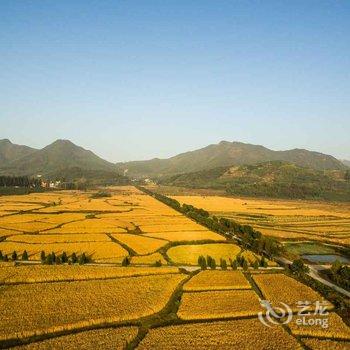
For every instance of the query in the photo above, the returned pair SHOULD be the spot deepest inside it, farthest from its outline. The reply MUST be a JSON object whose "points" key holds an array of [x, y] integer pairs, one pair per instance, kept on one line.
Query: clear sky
{"points": [[141, 79]]}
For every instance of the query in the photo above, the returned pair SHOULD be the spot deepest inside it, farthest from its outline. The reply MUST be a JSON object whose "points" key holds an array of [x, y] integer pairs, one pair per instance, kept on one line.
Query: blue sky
{"points": [[142, 79]]}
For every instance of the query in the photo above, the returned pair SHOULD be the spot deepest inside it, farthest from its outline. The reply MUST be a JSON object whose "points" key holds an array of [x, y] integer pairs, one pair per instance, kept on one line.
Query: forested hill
{"points": [[274, 179], [227, 154]]}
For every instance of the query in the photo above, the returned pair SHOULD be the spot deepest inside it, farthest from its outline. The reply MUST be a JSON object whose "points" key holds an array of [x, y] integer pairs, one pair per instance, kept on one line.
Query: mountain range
{"points": [[64, 154], [237, 167], [226, 154], [60, 158]]}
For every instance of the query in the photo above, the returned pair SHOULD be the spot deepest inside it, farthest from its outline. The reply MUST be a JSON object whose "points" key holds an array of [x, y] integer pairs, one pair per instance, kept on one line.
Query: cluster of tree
{"points": [[339, 274], [14, 256], [20, 181], [299, 267], [249, 237], [53, 259], [210, 263]]}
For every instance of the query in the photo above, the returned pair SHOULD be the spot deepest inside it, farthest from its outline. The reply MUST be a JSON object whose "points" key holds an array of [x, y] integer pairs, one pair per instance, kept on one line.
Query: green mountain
{"points": [[10, 151], [56, 158], [227, 154], [269, 179]]}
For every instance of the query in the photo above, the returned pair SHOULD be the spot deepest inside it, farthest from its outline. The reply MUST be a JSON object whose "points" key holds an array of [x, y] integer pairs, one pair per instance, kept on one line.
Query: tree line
{"points": [[246, 234], [20, 181]]}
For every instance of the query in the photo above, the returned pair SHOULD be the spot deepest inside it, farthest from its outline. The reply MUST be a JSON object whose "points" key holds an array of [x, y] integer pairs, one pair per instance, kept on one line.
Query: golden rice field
{"points": [[217, 280], [188, 254], [107, 339], [286, 219], [336, 328], [57, 238], [324, 344], [187, 236], [149, 259], [9, 273], [100, 305], [237, 334], [218, 304], [41, 308], [280, 288], [139, 243]]}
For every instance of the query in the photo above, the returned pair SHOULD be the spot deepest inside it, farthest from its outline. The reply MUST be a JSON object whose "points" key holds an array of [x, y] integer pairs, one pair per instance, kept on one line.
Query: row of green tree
{"points": [[20, 181], [248, 236], [49, 259], [210, 263]]}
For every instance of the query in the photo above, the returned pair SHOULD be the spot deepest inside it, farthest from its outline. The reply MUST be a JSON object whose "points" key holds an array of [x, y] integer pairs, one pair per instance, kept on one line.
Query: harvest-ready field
{"points": [[160, 301], [284, 219]]}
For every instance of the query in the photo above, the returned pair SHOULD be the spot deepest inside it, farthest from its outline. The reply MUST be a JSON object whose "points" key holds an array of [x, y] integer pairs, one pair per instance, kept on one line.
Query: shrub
{"points": [[223, 264], [14, 256], [126, 261], [25, 256]]}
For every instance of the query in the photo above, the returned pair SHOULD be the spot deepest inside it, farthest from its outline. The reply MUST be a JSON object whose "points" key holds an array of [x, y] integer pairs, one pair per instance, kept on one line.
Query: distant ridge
{"points": [[52, 160], [274, 179], [226, 154], [10, 152]]}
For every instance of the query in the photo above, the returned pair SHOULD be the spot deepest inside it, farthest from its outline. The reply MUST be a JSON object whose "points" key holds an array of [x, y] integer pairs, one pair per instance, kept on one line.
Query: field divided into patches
{"points": [[286, 219], [213, 309], [102, 305]]}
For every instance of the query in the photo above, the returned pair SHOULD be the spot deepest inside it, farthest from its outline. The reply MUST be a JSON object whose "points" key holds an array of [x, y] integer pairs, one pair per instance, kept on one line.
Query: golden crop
{"points": [[106, 339], [191, 226], [9, 273], [282, 218], [90, 226], [218, 304], [50, 307], [336, 327], [188, 236], [139, 243], [217, 280], [325, 344], [188, 254], [149, 259], [59, 238], [99, 251], [235, 335], [280, 288]]}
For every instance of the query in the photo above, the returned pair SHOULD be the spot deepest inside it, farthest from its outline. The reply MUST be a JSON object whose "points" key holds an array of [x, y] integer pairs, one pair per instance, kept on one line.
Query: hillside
{"points": [[270, 179], [55, 158], [10, 151], [227, 154], [346, 162]]}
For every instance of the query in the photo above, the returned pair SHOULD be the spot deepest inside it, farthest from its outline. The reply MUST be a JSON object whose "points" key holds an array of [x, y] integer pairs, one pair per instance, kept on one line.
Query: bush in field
{"points": [[158, 263], [42, 256], [73, 258], [256, 265], [223, 264], [25, 256], [298, 266], [64, 258], [14, 256], [202, 262], [1, 256], [126, 261], [83, 259], [245, 265]]}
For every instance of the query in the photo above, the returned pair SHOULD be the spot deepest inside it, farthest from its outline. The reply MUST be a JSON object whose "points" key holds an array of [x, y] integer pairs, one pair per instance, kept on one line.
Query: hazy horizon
{"points": [[139, 80]]}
